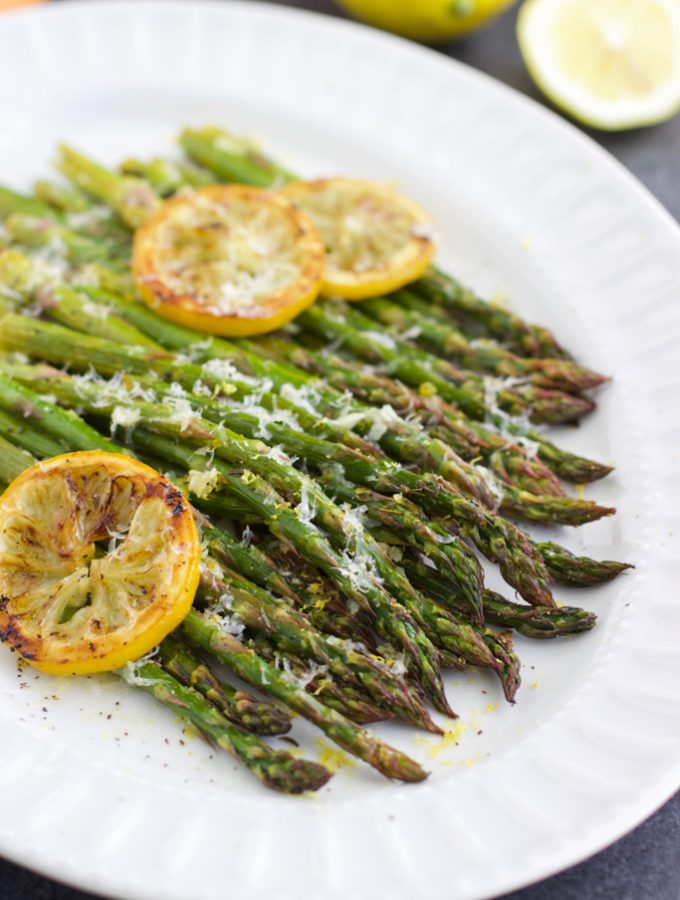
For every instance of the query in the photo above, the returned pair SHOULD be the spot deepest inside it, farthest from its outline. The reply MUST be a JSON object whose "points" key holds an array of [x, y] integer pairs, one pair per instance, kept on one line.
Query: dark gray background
{"points": [[645, 865]]}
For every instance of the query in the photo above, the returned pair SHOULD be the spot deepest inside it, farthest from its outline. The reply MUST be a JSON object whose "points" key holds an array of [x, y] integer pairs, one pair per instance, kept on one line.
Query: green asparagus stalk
{"points": [[276, 769], [231, 158], [131, 197], [408, 315], [445, 632], [68, 307], [244, 557], [480, 526], [61, 424], [65, 243], [578, 571], [329, 610], [338, 321], [499, 540], [20, 431], [343, 698], [493, 320], [166, 176], [500, 644], [434, 455], [240, 707], [62, 198], [392, 618], [530, 621], [573, 472], [13, 460], [291, 631], [471, 440], [202, 633], [13, 203]]}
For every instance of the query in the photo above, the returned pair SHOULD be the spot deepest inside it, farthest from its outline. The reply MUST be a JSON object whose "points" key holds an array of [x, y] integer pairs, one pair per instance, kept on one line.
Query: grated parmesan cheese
{"points": [[124, 417], [203, 484]]}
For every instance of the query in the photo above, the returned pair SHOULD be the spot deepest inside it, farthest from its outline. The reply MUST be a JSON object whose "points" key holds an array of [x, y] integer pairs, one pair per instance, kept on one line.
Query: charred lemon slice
{"points": [[228, 259], [376, 240], [99, 560]]}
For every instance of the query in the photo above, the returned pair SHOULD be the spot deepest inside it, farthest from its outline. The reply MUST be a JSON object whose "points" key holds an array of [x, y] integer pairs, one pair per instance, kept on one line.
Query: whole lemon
{"points": [[427, 20]]}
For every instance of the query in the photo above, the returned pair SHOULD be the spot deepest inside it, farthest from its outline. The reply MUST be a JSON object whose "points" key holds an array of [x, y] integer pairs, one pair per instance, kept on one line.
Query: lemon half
{"points": [[611, 64]]}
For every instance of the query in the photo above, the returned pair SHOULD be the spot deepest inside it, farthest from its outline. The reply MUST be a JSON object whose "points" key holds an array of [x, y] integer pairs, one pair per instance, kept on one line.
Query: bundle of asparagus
{"points": [[341, 470]]}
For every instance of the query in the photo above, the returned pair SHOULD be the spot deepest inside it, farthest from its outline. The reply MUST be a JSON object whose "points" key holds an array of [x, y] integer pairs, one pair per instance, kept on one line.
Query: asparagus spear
{"points": [[274, 768], [231, 158], [498, 539], [408, 315], [349, 571], [337, 321], [240, 707], [131, 197], [578, 571], [530, 621], [326, 606], [467, 437], [165, 176], [291, 631], [343, 698], [528, 340], [62, 198], [13, 460], [471, 439], [509, 665], [111, 187], [62, 425], [19, 430], [68, 307], [11, 202], [67, 244], [202, 633]]}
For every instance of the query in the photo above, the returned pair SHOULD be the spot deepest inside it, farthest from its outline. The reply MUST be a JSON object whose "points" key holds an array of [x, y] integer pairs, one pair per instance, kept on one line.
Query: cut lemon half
{"points": [[228, 259], [99, 561], [612, 64], [376, 239]]}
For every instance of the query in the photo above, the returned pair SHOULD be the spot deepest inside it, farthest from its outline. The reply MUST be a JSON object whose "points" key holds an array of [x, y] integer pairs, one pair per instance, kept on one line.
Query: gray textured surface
{"points": [[645, 865]]}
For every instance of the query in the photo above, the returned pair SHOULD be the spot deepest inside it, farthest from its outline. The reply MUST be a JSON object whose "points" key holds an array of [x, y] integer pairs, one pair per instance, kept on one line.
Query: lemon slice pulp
{"points": [[376, 239], [612, 64]]}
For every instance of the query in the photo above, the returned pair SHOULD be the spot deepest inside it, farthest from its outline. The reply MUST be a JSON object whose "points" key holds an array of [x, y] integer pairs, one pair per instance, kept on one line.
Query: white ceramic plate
{"points": [[96, 787]]}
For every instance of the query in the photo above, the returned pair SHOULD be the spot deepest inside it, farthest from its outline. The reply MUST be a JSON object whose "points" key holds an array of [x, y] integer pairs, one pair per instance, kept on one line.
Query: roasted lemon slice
{"points": [[99, 560], [228, 259], [376, 239]]}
